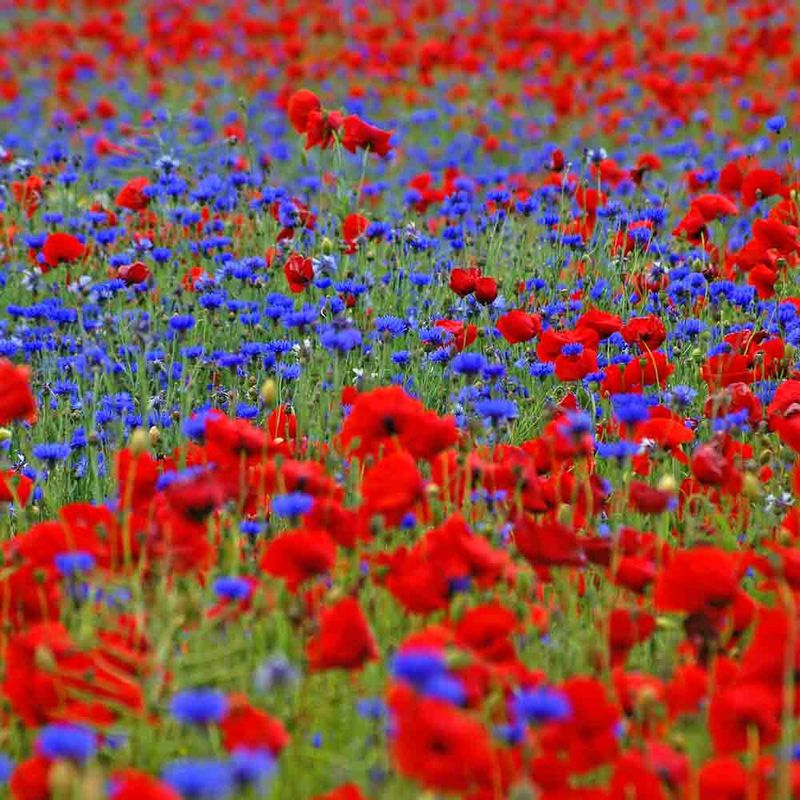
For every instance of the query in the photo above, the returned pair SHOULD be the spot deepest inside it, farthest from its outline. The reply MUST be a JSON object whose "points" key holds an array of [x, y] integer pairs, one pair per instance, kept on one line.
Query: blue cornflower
{"points": [[630, 408], [275, 673], [418, 666], [447, 688], [468, 363], [70, 563], [232, 588], [55, 451], [371, 708], [496, 410], [292, 505], [251, 527], [6, 768], [65, 740], [196, 779], [252, 767], [198, 706], [181, 322], [776, 124], [683, 395], [541, 705], [572, 349]]}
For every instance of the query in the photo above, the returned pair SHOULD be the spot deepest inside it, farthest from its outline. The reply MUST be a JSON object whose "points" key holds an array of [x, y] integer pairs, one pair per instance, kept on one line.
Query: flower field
{"points": [[399, 400]]}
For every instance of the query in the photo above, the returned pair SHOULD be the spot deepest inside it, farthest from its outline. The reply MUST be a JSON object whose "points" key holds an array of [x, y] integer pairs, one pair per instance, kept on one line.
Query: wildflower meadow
{"points": [[399, 400]]}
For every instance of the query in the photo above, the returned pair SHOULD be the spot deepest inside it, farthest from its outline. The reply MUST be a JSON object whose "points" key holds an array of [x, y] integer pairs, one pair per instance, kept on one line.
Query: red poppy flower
{"points": [[519, 326], [485, 290], [574, 366], [379, 418], [137, 272], [48, 678], [587, 737], [298, 556], [322, 128], [301, 105], [646, 332], [736, 709], [299, 272], [31, 779], [439, 746], [251, 728], [360, 135], [392, 488], [61, 248], [649, 500], [547, 544], [759, 183], [344, 640], [132, 196], [130, 784], [461, 335], [648, 369], [353, 228], [704, 579], [462, 281], [602, 322], [16, 399]]}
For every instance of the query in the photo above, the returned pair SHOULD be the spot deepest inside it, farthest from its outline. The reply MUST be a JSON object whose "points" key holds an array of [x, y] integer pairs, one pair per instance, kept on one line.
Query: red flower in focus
{"points": [[519, 326], [132, 196], [298, 556], [137, 272], [486, 290], [322, 127], [301, 105], [646, 332], [353, 228], [360, 135], [462, 281], [461, 335], [61, 248], [299, 272], [649, 369], [344, 640], [16, 399]]}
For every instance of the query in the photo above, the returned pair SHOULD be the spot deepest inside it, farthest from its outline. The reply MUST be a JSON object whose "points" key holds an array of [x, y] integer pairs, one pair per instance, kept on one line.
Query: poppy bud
{"points": [[44, 659], [5, 434], [138, 442], [751, 486], [269, 391], [327, 246], [522, 791], [62, 779], [667, 484], [154, 435]]}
